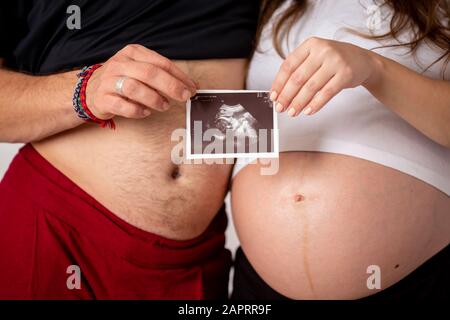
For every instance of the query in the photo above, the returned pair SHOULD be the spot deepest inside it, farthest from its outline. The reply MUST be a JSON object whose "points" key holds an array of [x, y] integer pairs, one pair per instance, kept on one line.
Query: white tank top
{"points": [[354, 123]]}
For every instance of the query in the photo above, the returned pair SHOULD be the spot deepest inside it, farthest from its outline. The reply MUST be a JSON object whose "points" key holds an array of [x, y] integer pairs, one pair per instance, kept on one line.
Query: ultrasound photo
{"points": [[231, 124]]}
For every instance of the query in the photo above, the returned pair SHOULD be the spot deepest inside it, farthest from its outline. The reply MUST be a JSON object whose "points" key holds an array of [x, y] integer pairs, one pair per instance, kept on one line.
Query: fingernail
{"points": [[291, 112], [308, 111], [279, 107], [186, 95], [146, 112], [273, 96]]}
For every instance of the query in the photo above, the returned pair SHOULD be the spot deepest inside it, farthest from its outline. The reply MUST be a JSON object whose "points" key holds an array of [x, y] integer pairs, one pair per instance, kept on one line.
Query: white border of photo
{"points": [[190, 156]]}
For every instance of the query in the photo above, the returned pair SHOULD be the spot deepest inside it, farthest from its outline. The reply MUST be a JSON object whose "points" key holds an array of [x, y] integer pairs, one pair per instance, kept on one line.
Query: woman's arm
{"points": [[421, 101], [36, 107], [319, 69]]}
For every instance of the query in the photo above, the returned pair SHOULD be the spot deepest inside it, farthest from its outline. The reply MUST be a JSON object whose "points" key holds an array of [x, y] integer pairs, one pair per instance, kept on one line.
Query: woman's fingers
{"points": [[307, 92], [139, 93], [328, 92], [156, 78], [287, 68], [142, 54], [318, 70], [299, 78]]}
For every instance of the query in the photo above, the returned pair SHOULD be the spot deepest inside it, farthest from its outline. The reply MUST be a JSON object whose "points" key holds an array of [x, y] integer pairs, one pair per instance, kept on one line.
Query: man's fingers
{"points": [[121, 106], [156, 78], [139, 93], [142, 54]]}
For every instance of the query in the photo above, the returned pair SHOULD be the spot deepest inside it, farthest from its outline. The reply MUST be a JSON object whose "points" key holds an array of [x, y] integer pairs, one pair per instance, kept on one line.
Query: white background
{"points": [[8, 151]]}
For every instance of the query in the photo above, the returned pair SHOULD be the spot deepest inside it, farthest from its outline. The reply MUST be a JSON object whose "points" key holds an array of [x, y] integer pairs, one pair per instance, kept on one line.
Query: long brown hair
{"points": [[428, 20]]}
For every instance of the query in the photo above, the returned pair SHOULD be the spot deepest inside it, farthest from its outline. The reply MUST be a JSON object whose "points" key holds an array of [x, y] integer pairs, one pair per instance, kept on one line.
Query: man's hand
{"points": [[36, 107], [150, 80]]}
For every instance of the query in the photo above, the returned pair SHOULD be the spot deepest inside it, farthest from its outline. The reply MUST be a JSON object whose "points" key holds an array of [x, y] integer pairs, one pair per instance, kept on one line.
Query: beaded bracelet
{"points": [[79, 98]]}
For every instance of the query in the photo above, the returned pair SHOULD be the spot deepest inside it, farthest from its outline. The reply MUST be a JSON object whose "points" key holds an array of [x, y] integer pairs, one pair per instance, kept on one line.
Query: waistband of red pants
{"points": [[39, 181]]}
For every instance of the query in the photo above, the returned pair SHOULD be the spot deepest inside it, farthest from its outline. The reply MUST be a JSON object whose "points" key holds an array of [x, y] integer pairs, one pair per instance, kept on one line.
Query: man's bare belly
{"points": [[312, 230], [130, 171]]}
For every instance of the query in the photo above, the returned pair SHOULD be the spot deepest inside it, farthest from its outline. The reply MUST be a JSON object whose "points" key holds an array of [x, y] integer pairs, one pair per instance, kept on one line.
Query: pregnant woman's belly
{"points": [[312, 230]]}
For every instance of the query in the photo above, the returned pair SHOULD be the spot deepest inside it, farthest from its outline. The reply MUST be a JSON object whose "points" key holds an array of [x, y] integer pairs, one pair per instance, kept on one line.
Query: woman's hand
{"points": [[149, 81], [317, 71]]}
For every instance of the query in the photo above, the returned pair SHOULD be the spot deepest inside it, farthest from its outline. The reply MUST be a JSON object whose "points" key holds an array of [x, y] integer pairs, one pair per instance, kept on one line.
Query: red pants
{"points": [[57, 242]]}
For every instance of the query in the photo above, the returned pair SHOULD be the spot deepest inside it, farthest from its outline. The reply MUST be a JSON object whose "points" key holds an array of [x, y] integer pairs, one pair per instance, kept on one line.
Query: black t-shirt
{"points": [[34, 36]]}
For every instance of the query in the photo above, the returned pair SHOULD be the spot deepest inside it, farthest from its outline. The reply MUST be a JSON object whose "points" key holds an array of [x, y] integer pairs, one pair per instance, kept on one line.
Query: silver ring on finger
{"points": [[119, 85]]}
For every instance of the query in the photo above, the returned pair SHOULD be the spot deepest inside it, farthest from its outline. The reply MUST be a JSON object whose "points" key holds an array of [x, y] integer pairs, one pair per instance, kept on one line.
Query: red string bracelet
{"points": [[85, 76]]}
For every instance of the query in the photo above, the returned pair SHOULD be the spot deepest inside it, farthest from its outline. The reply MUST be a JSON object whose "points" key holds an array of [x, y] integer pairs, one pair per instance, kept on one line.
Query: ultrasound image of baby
{"points": [[243, 119], [237, 119]]}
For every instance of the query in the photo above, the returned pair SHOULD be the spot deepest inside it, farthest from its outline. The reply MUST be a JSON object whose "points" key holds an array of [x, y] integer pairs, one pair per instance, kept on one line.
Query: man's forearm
{"points": [[35, 107]]}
